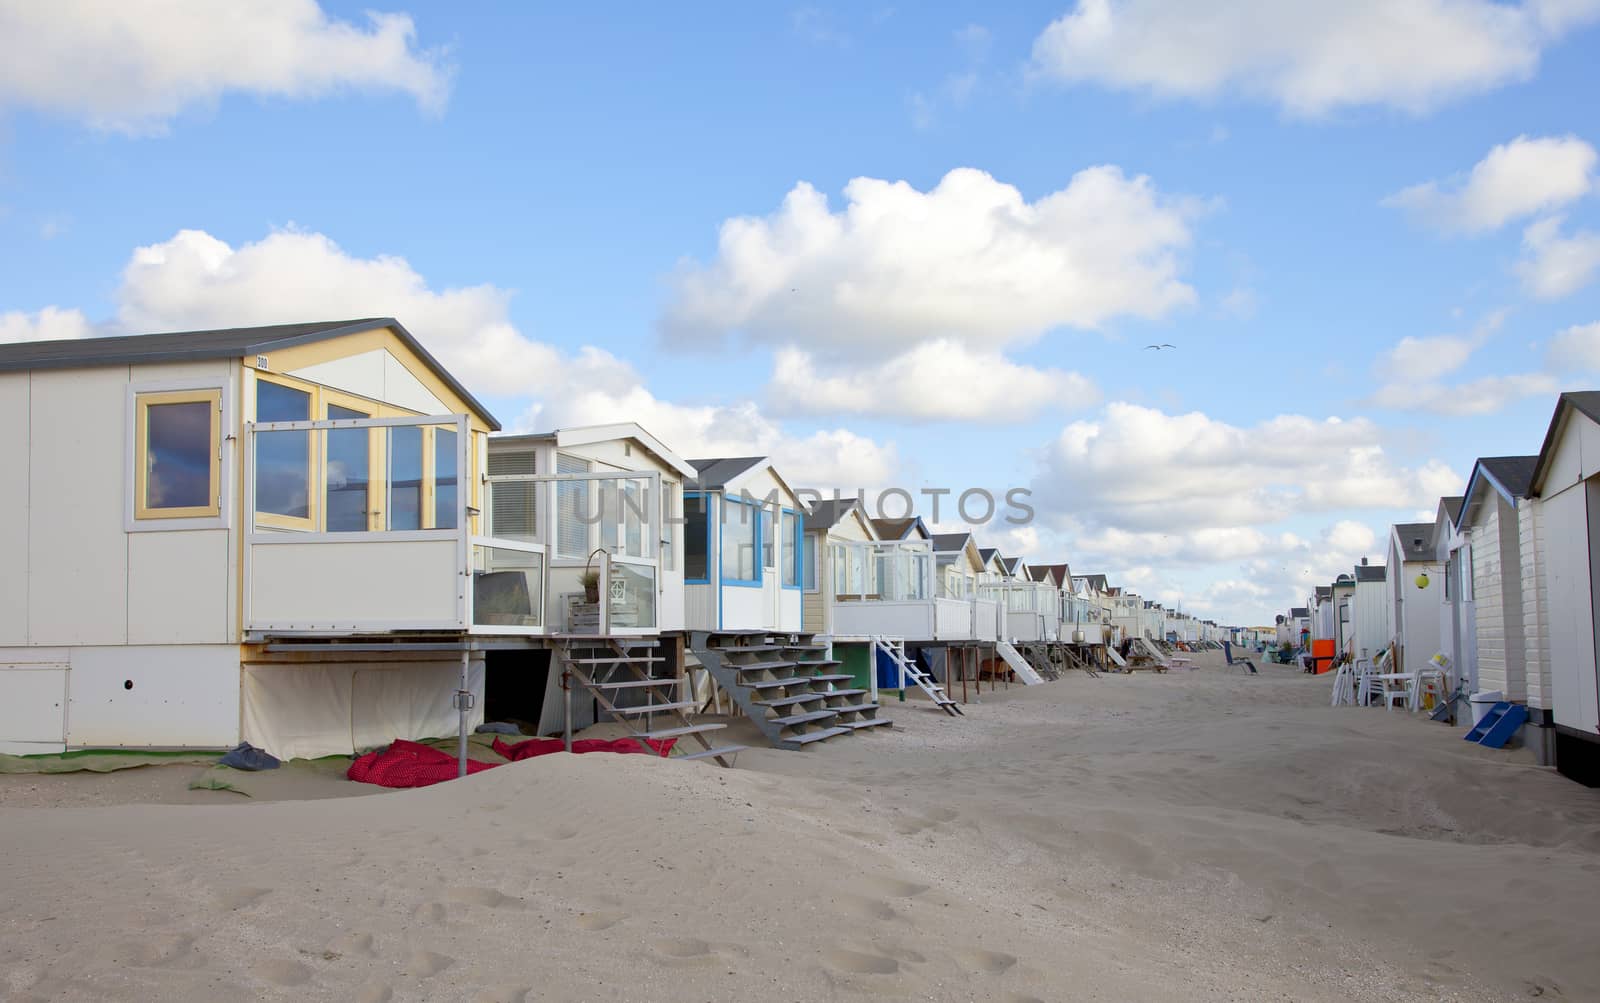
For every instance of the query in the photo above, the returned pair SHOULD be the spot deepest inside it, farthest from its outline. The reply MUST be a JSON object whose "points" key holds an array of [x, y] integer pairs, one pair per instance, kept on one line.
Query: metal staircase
{"points": [[918, 675], [618, 673], [786, 685], [1038, 655], [1077, 661]]}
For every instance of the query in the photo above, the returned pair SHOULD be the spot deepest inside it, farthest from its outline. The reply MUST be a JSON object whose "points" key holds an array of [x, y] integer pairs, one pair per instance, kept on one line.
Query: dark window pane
{"points": [[696, 541], [283, 459], [178, 450]]}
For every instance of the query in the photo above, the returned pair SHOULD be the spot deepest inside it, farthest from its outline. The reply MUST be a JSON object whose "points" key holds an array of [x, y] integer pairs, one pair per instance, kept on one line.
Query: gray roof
{"points": [[718, 471], [1322, 591], [828, 513], [1515, 473], [1370, 573], [1585, 401], [946, 542], [1416, 540], [1299, 612], [223, 343], [1013, 565], [987, 554], [1452, 506]]}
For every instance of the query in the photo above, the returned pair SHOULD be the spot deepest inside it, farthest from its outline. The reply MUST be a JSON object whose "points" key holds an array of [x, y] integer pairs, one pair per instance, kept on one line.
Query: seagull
{"points": [[1159, 347]]}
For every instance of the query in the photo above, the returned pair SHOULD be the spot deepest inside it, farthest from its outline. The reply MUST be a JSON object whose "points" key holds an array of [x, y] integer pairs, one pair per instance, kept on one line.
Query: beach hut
{"points": [[1457, 640], [1370, 611], [1490, 556], [831, 525], [1415, 587], [260, 534], [743, 537], [1560, 537]]}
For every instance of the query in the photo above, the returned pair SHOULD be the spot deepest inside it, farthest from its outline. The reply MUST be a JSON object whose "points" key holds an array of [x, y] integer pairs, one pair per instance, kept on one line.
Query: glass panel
{"points": [[839, 555], [573, 514], [696, 539], [507, 587], [348, 473], [669, 534], [445, 462], [632, 599], [793, 544], [283, 459], [739, 525], [513, 505], [768, 556], [610, 513], [405, 477], [178, 455], [633, 519]]}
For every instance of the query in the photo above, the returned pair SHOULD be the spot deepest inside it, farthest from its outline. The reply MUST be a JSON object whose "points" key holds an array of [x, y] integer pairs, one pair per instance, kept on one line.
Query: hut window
{"points": [[769, 557], [283, 459], [741, 531], [574, 509], [513, 505], [445, 478], [809, 560], [177, 454], [696, 539], [669, 506], [793, 544]]}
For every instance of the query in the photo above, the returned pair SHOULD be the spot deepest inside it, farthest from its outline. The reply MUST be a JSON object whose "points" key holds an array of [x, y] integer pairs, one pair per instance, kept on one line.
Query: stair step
{"points": [[866, 722], [843, 693], [660, 708], [816, 715], [726, 750], [829, 679], [790, 700], [817, 736], [853, 708], [819, 662], [752, 666], [749, 647], [618, 660], [633, 684], [692, 729], [767, 684]]}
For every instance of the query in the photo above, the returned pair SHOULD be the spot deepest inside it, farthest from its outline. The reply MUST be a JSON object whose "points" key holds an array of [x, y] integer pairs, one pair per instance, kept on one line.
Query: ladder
{"points": [[1017, 663], [616, 672], [916, 674], [1497, 726], [1038, 655], [1075, 661], [1116, 656]]}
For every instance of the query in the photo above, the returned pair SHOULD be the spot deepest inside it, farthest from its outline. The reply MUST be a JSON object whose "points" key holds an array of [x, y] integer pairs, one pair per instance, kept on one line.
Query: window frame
{"points": [[216, 516], [713, 557], [143, 401], [758, 512], [811, 559], [790, 549]]}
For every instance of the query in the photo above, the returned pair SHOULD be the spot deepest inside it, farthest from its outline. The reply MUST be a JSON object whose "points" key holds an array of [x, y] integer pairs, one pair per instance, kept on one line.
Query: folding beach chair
{"points": [[1243, 663]]}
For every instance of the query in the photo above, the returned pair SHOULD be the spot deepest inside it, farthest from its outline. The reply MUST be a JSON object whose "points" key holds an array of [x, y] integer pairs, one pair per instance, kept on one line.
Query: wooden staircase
{"points": [[918, 675], [1075, 660], [619, 673], [786, 685], [1038, 655]]}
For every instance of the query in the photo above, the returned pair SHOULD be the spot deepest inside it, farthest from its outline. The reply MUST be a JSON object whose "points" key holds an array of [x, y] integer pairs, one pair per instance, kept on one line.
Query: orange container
{"points": [[1322, 654]]}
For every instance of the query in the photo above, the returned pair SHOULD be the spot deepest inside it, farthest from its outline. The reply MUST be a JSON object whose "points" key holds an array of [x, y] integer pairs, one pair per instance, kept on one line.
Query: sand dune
{"points": [[1196, 835]]}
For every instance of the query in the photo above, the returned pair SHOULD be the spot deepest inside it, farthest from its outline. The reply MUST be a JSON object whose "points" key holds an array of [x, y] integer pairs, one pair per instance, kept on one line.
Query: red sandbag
{"points": [[409, 764], [529, 748]]}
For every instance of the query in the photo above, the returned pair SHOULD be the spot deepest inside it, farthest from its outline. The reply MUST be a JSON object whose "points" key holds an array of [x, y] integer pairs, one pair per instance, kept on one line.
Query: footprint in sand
{"points": [[490, 897], [160, 951], [375, 992], [1022, 998], [561, 832], [893, 887], [238, 898], [282, 972], [503, 994], [596, 921], [988, 962], [425, 964], [856, 963], [680, 948]]}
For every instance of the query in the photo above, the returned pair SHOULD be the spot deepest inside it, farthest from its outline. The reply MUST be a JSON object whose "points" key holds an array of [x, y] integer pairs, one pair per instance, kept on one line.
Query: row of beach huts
{"points": [[1497, 596], [312, 538]]}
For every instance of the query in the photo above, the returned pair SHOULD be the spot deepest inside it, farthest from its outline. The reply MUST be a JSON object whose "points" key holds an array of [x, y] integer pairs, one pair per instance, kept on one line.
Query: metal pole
{"points": [[566, 699], [463, 702]]}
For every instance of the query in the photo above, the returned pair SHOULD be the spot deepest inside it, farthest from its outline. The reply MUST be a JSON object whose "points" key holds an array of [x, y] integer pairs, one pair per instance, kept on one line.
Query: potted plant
{"points": [[590, 580]]}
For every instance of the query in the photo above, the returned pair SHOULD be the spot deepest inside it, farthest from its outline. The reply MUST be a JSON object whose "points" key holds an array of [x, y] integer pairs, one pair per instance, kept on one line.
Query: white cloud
{"points": [[1554, 265], [970, 260], [992, 387], [1486, 395], [50, 324], [1515, 179], [1576, 349], [1138, 469], [131, 67], [1309, 58]]}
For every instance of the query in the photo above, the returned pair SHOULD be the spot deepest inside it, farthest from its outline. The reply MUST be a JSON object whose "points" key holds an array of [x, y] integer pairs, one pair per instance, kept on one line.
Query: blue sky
{"points": [[540, 194]]}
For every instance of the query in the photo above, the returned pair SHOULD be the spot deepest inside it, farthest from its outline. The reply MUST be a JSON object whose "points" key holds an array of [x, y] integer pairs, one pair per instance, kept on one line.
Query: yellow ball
{"points": [[1422, 580]]}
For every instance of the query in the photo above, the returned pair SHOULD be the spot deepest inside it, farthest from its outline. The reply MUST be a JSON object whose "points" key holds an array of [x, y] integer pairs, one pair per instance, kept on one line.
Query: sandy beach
{"points": [[1197, 835]]}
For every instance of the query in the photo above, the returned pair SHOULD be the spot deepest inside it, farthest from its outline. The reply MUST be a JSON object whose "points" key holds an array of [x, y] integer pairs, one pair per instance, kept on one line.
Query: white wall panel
{"points": [[14, 459], [33, 703], [179, 587], [320, 584], [1572, 642], [77, 552], [182, 695]]}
